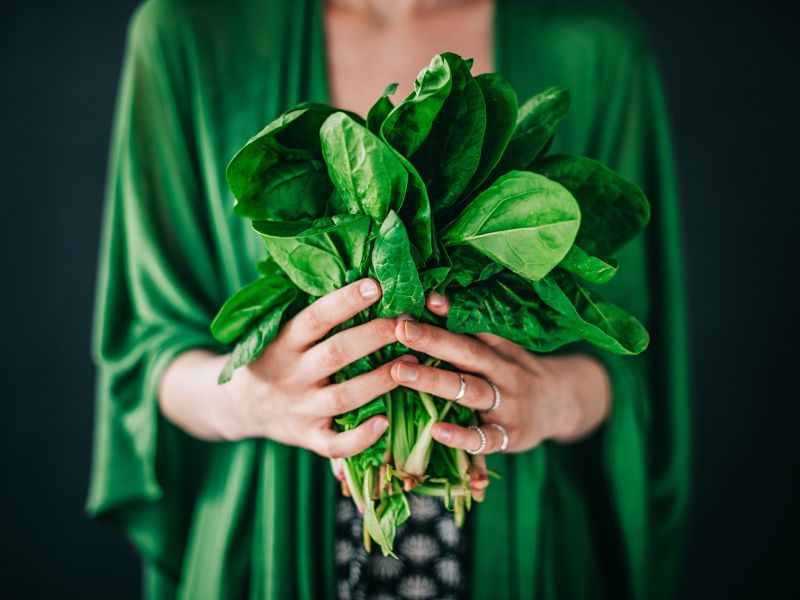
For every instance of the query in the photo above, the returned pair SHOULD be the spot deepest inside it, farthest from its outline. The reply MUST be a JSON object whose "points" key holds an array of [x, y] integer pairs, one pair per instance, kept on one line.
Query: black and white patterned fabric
{"points": [[432, 555]]}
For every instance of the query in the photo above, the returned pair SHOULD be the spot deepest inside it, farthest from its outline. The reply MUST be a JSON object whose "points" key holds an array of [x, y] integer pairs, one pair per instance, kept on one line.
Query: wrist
{"points": [[587, 396]]}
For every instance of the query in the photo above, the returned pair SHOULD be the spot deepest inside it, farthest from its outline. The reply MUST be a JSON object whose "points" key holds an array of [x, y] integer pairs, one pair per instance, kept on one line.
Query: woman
{"points": [[225, 489]]}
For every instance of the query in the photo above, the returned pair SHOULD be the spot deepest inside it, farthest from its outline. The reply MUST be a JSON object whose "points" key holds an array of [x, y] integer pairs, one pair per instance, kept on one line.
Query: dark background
{"points": [[730, 75]]}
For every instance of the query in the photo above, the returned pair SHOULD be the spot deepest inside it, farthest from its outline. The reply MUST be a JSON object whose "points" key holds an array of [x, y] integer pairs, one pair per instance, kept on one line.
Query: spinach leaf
{"points": [[247, 305], [506, 306], [588, 267], [416, 211], [600, 322], [292, 136], [407, 127], [501, 118], [291, 190], [365, 171], [523, 221], [470, 266], [536, 124], [449, 156], [395, 269], [253, 343], [380, 110], [319, 257], [613, 209]]}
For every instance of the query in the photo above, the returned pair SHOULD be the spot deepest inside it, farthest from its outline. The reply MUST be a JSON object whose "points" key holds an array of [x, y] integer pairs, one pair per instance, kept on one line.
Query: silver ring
{"points": [[497, 398], [482, 447], [504, 433], [462, 389]]}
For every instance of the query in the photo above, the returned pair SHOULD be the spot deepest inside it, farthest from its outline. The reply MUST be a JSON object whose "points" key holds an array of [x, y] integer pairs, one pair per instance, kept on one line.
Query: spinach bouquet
{"points": [[451, 190]]}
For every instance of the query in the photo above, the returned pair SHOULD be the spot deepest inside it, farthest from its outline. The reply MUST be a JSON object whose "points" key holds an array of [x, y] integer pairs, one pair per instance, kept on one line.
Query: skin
{"points": [[285, 394]]}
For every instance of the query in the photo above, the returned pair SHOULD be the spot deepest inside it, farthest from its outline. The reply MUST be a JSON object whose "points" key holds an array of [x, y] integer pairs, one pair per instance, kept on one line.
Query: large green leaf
{"points": [[613, 209], [416, 211], [319, 257], [506, 306], [408, 125], [366, 172], [247, 305], [451, 152], [600, 322], [394, 267], [501, 118], [253, 343], [536, 124], [523, 221], [290, 190], [292, 136]]}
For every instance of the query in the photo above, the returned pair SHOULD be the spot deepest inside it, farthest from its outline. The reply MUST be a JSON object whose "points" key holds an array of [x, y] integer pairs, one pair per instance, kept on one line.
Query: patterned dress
{"points": [[432, 555]]}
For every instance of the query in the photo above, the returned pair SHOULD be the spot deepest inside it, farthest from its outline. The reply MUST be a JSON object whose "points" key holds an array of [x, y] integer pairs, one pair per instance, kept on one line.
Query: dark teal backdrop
{"points": [[729, 73]]}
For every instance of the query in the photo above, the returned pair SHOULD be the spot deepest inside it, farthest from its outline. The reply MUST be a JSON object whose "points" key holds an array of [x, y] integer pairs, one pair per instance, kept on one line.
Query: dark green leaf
{"points": [[247, 305], [501, 118], [290, 190], [366, 172], [451, 152], [506, 306], [408, 125], [318, 257], [380, 110], [536, 123], [523, 221], [613, 209], [395, 269], [253, 343], [470, 266], [294, 136], [603, 324], [588, 267]]}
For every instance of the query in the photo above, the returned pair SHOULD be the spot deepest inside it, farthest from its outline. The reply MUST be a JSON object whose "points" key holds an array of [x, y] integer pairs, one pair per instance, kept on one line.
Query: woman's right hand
{"points": [[285, 394]]}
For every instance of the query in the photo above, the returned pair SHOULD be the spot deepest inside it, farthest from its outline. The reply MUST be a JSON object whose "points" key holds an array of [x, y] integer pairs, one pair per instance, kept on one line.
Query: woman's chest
{"points": [[363, 57]]}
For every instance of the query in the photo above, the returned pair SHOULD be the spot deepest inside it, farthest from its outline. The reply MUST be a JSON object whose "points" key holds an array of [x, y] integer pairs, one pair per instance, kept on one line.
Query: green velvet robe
{"points": [[599, 518]]}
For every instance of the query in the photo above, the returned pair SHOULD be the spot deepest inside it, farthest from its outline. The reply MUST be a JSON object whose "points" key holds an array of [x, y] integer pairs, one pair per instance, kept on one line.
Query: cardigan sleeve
{"points": [[646, 442], [155, 296]]}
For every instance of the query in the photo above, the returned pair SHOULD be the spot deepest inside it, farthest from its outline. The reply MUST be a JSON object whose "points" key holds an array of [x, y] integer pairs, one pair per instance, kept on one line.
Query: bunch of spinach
{"points": [[451, 191]]}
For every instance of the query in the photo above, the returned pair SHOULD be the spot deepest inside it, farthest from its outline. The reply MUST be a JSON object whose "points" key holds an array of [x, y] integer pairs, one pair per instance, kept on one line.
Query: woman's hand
{"points": [[285, 394], [541, 397]]}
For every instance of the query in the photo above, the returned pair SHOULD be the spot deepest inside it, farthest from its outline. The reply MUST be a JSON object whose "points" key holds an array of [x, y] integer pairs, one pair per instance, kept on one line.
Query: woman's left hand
{"points": [[540, 397]]}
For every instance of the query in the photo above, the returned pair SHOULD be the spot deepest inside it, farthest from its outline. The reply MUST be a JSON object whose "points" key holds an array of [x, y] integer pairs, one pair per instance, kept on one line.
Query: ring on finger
{"points": [[504, 433], [497, 398], [481, 433], [462, 389]]}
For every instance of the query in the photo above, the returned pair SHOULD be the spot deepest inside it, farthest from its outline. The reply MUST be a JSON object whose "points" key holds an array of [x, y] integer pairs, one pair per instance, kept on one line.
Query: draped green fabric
{"points": [[600, 518]]}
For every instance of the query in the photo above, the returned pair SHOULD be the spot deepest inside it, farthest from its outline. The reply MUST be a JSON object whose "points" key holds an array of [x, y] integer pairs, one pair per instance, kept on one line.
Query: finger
{"points": [[330, 444], [349, 345], [463, 351], [504, 347], [478, 394], [339, 398], [437, 304], [316, 320], [466, 438]]}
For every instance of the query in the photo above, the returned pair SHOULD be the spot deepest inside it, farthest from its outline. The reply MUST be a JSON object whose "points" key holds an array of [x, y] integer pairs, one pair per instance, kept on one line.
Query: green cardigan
{"points": [[600, 518]]}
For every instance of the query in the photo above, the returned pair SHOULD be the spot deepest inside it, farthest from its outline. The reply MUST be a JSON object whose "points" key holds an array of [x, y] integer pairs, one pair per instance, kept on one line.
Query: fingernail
{"points": [[406, 372], [412, 330], [436, 300], [404, 317], [380, 425], [443, 433], [409, 358], [368, 288]]}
